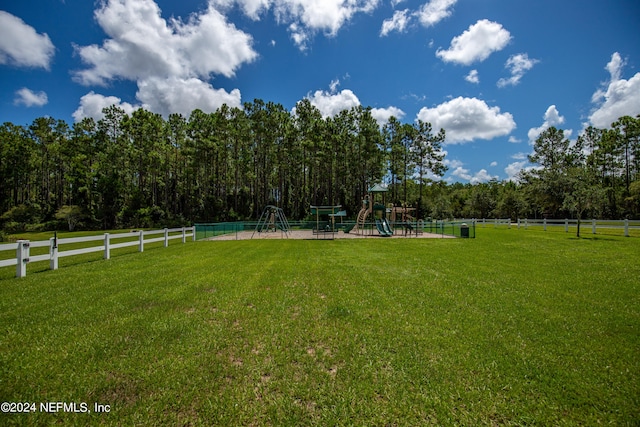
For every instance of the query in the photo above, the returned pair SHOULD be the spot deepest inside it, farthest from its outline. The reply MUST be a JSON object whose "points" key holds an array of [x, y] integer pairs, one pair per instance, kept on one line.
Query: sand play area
{"points": [[310, 235]]}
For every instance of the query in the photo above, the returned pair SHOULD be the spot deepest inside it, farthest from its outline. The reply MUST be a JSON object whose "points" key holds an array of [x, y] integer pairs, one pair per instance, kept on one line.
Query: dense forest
{"points": [[142, 170]]}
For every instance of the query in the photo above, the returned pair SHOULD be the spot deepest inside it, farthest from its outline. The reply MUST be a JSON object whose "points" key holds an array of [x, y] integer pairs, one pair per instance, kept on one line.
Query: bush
{"points": [[12, 227], [149, 217], [34, 228], [28, 213], [71, 214]]}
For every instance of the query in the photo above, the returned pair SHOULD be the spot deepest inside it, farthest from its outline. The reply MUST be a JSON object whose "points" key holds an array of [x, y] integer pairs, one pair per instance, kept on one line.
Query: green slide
{"points": [[383, 228]]}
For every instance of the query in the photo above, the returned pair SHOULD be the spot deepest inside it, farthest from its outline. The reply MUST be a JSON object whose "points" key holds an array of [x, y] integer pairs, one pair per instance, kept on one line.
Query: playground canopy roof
{"points": [[326, 210], [378, 188]]}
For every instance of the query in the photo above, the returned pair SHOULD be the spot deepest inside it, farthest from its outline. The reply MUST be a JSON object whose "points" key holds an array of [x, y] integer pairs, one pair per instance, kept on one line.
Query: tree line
{"points": [[595, 176], [142, 170]]}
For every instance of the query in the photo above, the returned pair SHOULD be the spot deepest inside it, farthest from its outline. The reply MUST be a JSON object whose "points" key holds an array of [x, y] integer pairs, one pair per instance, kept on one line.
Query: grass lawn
{"points": [[510, 328]]}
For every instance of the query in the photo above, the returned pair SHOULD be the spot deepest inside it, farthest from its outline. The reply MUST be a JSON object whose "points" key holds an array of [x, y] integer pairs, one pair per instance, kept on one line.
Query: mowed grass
{"points": [[511, 328]]}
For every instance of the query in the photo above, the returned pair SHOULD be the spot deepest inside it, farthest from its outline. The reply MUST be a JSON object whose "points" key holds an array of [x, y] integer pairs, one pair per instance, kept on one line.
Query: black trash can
{"points": [[464, 231]]}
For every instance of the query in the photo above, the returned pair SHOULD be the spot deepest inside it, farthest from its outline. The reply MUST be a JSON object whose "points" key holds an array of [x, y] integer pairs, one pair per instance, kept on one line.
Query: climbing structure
{"points": [[377, 211], [272, 220], [362, 216]]}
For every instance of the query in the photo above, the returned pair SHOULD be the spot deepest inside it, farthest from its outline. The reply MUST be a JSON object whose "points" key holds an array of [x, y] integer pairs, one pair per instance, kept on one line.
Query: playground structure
{"points": [[385, 218], [377, 211], [272, 220], [373, 216], [372, 221], [327, 229], [402, 214]]}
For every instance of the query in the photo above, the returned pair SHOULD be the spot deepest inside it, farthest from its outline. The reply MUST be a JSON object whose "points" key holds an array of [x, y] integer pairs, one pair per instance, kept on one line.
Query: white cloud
{"points": [[333, 86], [467, 119], [29, 98], [429, 14], [176, 95], [330, 104], [142, 44], [514, 140], [382, 115], [481, 176], [324, 15], [91, 105], [435, 11], [472, 77], [299, 36], [552, 117], [620, 97], [398, 22], [493, 164], [462, 173], [476, 43], [519, 156], [306, 17], [21, 45], [251, 8], [170, 60], [451, 163], [518, 65], [614, 67], [513, 170]]}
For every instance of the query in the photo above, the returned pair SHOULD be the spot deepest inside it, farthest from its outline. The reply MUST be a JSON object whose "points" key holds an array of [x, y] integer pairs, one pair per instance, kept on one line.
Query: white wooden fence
{"points": [[593, 224], [23, 247]]}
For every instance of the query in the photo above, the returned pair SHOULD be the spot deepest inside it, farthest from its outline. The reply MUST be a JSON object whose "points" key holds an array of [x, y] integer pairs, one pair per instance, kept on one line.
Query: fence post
{"points": [[184, 235], [53, 253], [593, 226], [544, 224], [141, 242], [193, 229], [566, 225], [107, 249], [22, 256], [518, 220], [495, 222], [626, 228], [166, 237]]}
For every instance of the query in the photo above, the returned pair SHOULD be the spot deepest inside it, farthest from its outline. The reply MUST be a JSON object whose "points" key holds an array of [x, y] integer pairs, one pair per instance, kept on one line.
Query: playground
{"points": [[375, 219], [310, 235]]}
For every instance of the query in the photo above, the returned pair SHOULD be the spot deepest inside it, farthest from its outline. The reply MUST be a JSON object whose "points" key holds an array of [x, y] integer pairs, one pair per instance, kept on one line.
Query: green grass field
{"points": [[510, 328]]}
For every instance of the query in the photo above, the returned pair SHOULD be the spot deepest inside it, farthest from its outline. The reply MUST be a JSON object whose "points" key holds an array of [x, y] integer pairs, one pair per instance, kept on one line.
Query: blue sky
{"points": [[492, 73]]}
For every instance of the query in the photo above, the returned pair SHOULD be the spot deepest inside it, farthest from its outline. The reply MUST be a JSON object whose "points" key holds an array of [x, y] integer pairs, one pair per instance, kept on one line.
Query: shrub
{"points": [[71, 214], [28, 213], [13, 227]]}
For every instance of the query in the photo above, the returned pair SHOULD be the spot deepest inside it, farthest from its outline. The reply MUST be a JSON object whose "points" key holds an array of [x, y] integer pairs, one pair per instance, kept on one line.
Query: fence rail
{"points": [[23, 248], [596, 226]]}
